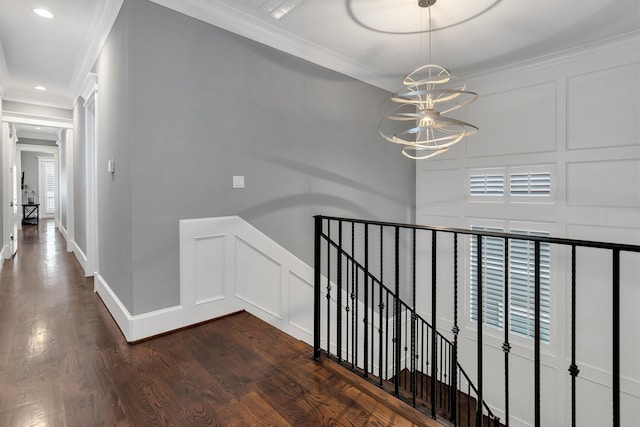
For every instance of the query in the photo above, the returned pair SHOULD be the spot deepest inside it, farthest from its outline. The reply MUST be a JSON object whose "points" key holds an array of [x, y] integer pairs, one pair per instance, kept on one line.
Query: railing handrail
{"points": [[503, 235]]}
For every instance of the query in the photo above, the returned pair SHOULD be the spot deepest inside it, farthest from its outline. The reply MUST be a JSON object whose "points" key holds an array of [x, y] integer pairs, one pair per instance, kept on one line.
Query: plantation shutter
{"points": [[493, 278], [49, 188], [522, 297]]}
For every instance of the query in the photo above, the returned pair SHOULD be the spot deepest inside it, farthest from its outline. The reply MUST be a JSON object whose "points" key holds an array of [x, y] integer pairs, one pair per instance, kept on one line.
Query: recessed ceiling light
{"points": [[44, 13], [40, 88]]}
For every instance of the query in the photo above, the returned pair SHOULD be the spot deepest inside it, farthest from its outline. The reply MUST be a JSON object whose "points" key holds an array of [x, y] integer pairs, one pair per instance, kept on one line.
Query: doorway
{"points": [[29, 133]]}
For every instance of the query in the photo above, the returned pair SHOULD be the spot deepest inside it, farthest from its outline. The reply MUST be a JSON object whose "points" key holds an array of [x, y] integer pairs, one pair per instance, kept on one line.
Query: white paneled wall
{"points": [[578, 114], [227, 265]]}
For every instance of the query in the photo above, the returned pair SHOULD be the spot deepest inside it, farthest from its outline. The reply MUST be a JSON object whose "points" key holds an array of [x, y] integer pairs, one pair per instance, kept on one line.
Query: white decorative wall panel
{"points": [[595, 301], [439, 185], [517, 121], [258, 278], [603, 108], [209, 269], [604, 183], [300, 303]]}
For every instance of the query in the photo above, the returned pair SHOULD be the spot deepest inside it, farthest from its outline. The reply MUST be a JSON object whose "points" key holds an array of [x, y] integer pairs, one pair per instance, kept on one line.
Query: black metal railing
{"points": [[372, 321]]}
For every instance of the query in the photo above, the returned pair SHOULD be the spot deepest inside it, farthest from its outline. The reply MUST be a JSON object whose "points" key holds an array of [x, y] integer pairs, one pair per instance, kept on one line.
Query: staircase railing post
{"points": [[366, 301], [573, 369], [537, 336], [434, 329], [414, 375], [480, 344], [454, 366], [616, 338], [506, 346], [316, 285], [398, 321], [339, 295]]}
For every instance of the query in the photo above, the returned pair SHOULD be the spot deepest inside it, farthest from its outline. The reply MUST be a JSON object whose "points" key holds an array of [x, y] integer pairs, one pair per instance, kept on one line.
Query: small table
{"points": [[30, 213]]}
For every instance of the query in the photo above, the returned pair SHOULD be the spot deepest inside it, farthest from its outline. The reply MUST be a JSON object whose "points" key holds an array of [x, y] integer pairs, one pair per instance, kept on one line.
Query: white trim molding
{"points": [[104, 18], [215, 281]]}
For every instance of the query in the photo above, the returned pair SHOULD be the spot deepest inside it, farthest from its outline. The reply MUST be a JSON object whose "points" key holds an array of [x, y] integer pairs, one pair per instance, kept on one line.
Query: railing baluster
{"points": [[455, 330], [317, 243], [397, 325], [352, 295], [386, 346], [339, 296], [440, 372], [413, 322], [506, 347], [469, 404], [424, 353], [537, 336], [616, 338], [380, 318], [573, 369], [480, 345], [434, 328], [329, 289], [381, 268], [366, 300], [356, 323]]}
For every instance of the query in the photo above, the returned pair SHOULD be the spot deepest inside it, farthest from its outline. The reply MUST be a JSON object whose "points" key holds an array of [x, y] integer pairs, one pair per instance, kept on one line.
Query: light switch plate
{"points": [[238, 181]]}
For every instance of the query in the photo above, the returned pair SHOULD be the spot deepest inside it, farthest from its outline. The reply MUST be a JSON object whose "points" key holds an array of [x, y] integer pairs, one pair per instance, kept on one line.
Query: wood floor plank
{"points": [[64, 362]]}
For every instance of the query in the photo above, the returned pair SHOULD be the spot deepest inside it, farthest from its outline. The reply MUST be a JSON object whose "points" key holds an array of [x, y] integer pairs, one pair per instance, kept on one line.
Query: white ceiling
{"points": [[377, 41]]}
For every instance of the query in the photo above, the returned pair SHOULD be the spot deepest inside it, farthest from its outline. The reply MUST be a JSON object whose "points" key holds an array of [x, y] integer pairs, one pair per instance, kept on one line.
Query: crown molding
{"points": [[222, 15], [101, 25], [628, 42]]}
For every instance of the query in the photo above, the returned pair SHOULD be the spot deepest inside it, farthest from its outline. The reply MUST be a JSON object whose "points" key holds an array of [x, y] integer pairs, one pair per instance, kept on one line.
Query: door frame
{"points": [[10, 191]]}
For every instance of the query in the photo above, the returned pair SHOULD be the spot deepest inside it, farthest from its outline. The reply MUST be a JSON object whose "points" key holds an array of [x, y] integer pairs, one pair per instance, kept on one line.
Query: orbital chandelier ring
{"points": [[429, 92]]}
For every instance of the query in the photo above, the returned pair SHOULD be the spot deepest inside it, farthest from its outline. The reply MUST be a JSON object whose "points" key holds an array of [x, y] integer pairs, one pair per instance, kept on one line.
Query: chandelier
{"points": [[414, 116]]}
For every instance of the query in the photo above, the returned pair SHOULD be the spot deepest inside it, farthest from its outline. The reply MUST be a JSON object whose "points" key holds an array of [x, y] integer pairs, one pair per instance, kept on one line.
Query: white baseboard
{"points": [[63, 230], [81, 257]]}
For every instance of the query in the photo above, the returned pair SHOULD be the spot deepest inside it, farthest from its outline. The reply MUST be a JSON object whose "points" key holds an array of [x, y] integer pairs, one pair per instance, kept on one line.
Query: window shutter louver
{"points": [[530, 184], [522, 278], [521, 283], [49, 188], [493, 278], [486, 184]]}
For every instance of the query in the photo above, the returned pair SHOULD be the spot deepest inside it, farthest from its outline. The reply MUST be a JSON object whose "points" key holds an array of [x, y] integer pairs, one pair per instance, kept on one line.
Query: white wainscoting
{"points": [[227, 265]]}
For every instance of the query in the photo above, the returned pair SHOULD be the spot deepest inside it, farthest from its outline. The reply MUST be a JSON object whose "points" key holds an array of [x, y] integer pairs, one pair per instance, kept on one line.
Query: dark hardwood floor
{"points": [[64, 362]]}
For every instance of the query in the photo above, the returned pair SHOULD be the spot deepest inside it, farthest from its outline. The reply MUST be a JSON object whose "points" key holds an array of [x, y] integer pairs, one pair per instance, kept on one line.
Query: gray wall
{"points": [[205, 105], [114, 193], [79, 176], [29, 162]]}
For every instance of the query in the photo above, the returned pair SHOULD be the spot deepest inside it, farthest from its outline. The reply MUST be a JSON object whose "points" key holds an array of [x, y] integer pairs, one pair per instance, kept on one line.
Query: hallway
{"points": [[54, 335], [63, 362]]}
